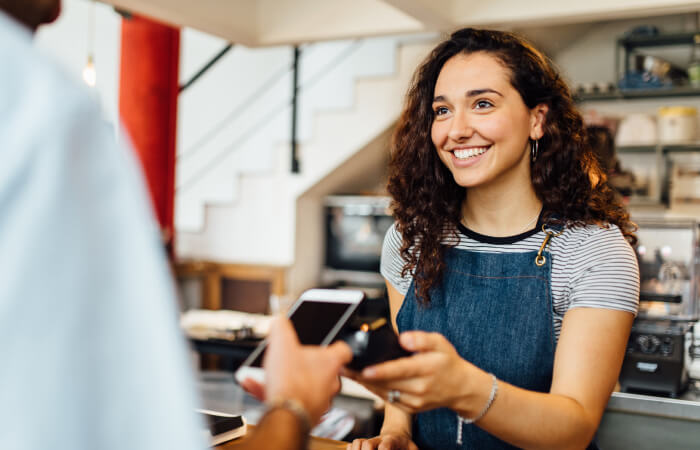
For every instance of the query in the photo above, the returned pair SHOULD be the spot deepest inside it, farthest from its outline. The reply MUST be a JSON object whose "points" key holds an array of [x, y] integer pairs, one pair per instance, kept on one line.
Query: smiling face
{"points": [[481, 127]]}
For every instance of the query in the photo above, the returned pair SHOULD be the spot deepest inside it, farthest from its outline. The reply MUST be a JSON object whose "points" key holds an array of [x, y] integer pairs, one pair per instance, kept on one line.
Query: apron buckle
{"points": [[540, 259]]}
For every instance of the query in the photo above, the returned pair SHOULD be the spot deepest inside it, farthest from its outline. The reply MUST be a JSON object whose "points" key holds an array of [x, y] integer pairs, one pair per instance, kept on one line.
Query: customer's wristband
{"points": [[295, 407], [492, 397]]}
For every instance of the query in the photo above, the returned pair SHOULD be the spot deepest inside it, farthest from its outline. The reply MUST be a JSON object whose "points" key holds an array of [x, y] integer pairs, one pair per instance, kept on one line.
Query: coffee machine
{"points": [[656, 360]]}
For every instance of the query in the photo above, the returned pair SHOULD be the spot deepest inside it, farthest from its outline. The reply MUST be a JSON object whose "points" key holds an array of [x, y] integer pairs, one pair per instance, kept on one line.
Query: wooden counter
{"points": [[314, 443]]}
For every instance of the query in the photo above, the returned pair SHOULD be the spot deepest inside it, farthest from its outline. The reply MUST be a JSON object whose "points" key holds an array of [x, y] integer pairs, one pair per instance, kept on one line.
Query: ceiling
{"points": [[280, 22]]}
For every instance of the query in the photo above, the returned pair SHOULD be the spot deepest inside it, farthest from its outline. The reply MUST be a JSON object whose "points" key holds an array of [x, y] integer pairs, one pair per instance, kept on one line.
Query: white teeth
{"points": [[469, 153]]}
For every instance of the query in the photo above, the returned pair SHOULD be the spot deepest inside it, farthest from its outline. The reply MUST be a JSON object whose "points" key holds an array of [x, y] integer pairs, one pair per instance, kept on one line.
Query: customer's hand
{"points": [[435, 376], [308, 374], [385, 441]]}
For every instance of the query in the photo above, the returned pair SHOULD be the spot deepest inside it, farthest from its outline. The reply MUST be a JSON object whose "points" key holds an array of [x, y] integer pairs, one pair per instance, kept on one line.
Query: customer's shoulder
{"points": [[43, 104], [33, 86]]}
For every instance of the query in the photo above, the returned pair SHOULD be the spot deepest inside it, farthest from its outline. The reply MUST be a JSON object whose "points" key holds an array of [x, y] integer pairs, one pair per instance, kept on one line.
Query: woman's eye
{"points": [[441, 110], [481, 104]]}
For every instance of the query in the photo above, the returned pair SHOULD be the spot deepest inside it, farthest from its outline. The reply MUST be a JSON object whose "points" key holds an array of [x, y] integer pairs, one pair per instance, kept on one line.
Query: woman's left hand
{"points": [[435, 376]]}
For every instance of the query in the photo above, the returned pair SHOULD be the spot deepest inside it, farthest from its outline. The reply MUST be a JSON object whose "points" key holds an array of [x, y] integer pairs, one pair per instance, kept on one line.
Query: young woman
{"points": [[509, 253]]}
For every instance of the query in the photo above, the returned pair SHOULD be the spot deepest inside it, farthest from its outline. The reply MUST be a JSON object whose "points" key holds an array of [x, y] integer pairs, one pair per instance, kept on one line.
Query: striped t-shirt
{"points": [[592, 266]]}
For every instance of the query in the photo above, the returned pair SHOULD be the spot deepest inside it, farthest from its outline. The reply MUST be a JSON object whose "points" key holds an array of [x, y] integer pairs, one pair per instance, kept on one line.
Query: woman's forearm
{"points": [[528, 419], [396, 421]]}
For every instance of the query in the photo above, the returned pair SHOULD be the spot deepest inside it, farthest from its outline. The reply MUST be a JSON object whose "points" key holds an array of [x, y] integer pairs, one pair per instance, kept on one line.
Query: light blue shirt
{"points": [[91, 356]]}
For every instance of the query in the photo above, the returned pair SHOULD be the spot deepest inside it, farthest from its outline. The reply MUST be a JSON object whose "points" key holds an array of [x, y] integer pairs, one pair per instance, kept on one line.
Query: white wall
{"points": [[245, 127], [67, 42]]}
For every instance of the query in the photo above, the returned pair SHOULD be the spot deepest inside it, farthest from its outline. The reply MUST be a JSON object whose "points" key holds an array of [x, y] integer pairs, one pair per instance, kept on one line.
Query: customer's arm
{"points": [[279, 429], [300, 383]]}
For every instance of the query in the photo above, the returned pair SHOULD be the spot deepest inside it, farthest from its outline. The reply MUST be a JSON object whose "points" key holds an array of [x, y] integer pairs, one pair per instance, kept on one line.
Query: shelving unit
{"points": [[661, 195], [640, 94], [658, 196], [626, 46], [663, 148]]}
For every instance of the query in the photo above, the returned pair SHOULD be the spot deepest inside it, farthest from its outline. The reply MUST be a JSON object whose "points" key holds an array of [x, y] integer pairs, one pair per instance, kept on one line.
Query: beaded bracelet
{"points": [[492, 396]]}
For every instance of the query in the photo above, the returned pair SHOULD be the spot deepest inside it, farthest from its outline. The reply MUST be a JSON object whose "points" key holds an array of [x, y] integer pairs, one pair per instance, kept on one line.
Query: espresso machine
{"points": [[657, 360]]}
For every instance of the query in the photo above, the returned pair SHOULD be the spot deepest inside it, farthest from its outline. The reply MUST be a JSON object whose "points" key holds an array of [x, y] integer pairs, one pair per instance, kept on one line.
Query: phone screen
{"points": [[312, 320]]}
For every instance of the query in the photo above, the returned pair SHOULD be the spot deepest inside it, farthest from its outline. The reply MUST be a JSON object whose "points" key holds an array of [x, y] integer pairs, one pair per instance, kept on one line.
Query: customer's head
{"points": [[32, 13]]}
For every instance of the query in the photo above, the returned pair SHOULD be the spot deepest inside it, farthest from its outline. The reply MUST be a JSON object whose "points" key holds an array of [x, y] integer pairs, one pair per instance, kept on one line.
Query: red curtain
{"points": [[148, 91]]}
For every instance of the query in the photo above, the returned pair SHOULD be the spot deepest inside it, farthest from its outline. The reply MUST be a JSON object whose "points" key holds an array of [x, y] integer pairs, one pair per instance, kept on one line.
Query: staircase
{"points": [[245, 208]]}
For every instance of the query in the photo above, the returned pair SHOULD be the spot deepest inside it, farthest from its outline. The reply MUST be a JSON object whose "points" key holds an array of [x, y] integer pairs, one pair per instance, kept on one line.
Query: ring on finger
{"points": [[393, 396]]}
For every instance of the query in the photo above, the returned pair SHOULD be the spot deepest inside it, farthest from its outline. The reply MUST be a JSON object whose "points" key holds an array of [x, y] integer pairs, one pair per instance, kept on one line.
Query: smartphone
{"points": [[318, 317]]}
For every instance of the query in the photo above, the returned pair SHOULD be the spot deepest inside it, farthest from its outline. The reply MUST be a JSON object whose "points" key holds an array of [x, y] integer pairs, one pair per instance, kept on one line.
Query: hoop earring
{"points": [[534, 149]]}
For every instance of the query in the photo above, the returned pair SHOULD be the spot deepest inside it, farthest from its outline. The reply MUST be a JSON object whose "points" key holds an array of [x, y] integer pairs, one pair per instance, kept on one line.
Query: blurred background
{"points": [[263, 128]]}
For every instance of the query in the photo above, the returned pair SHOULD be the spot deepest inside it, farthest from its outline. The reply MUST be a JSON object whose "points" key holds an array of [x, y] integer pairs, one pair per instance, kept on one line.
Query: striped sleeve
{"points": [[392, 263], [607, 274]]}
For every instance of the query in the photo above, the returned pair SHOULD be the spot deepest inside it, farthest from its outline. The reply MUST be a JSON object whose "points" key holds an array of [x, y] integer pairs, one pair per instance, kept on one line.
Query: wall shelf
{"points": [[665, 148], [640, 94], [625, 47], [658, 40], [681, 148], [636, 149], [644, 202]]}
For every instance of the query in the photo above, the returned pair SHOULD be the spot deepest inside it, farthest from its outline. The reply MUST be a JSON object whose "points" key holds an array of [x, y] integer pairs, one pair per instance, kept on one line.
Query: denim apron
{"points": [[496, 309]]}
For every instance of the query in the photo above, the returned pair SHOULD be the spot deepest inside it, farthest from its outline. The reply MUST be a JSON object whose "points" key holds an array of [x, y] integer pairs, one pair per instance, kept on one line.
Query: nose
{"points": [[460, 127]]}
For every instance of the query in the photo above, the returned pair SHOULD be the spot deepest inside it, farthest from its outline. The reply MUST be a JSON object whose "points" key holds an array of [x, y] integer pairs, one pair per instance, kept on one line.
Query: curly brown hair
{"points": [[566, 175]]}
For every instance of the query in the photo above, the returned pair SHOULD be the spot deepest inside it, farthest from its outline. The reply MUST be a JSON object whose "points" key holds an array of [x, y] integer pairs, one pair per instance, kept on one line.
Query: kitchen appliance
{"points": [[655, 361], [355, 229], [656, 357], [667, 252]]}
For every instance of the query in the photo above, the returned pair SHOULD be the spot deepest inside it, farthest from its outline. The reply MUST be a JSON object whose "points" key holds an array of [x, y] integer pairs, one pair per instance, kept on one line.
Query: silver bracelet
{"points": [[492, 396]]}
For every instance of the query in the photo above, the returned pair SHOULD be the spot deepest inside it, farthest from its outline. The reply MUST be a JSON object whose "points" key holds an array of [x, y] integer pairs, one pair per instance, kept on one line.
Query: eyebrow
{"points": [[472, 93]]}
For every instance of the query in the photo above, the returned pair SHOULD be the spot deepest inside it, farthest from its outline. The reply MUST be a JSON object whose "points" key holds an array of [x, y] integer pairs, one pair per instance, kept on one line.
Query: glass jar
{"points": [[694, 66]]}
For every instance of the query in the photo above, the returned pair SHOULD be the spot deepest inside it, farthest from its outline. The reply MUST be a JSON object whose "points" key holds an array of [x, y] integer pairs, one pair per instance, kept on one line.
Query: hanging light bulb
{"points": [[89, 73]]}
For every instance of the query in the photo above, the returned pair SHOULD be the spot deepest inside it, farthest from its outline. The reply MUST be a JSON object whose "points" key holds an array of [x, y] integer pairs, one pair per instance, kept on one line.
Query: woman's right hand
{"points": [[385, 441]]}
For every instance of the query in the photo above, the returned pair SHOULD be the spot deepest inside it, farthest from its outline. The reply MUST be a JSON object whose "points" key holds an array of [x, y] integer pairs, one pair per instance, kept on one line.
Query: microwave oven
{"points": [[354, 233]]}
